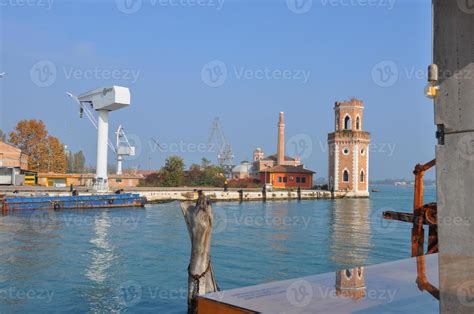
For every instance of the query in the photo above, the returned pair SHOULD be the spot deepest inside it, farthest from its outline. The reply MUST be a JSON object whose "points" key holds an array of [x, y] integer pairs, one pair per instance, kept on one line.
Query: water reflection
{"points": [[98, 271], [350, 232], [350, 283]]}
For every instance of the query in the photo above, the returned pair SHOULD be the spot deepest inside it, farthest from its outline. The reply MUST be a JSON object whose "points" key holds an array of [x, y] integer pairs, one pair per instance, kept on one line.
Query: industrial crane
{"points": [[225, 156], [122, 146]]}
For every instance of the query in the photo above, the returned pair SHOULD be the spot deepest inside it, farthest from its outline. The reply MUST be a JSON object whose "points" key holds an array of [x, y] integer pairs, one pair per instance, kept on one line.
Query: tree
{"points": [[79, 163], [30, 136], [70, 163], [205, 163], [3, 136], [45, 152], [57, 161], [173, 171]]}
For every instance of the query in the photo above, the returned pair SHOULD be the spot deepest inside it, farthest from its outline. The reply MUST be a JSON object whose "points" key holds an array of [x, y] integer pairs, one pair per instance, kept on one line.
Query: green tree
{"points": [[173, 172], [70, 162], [79, 162]]}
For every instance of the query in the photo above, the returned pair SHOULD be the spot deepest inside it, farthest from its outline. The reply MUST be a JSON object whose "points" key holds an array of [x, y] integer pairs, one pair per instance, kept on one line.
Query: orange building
{"points": [[283, 177], [86, 179]]}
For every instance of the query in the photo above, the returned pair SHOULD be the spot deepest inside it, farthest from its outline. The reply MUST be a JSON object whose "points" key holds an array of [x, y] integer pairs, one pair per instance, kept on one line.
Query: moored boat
{"points": [[73, 202]]}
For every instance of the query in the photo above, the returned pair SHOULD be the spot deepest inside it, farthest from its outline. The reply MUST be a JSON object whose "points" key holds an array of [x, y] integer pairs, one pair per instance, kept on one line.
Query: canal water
{"points": [[135, 260]]}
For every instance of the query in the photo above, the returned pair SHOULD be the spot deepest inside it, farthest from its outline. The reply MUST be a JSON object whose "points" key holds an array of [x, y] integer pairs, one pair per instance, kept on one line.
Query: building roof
{"points": [[288, 169]]}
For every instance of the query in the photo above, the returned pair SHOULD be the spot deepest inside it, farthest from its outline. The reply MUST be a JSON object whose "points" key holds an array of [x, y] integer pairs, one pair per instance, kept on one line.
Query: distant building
{"points": [[86, 179], [12, 157], [13, 164], [279, 170], [349, 150]]}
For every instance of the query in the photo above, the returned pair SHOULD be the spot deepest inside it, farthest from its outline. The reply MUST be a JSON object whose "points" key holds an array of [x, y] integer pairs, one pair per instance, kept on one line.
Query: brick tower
{"points": [[349, 150]]}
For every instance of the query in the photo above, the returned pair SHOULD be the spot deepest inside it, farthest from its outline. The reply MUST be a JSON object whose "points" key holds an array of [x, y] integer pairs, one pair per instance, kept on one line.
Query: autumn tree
{"points": [[57, 160], [45, 152]]}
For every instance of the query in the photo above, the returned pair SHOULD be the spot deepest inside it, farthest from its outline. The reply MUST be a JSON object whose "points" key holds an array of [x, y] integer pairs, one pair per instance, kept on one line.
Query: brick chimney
{"points": [[281, 140]]}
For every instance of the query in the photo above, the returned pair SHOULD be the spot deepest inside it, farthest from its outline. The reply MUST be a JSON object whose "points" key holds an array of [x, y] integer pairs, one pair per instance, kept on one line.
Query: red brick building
{"points": [[349, 150]]}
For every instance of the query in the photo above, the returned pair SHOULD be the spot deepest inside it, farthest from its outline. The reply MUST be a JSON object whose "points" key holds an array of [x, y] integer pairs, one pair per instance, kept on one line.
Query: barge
{"points": [[73, 202]]}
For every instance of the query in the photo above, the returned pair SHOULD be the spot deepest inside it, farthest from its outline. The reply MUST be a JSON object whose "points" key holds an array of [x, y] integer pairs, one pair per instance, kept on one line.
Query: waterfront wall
{"points": [[163, 195]]}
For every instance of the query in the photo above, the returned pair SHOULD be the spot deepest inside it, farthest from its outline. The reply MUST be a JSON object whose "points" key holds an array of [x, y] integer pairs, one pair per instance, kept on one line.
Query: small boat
{"points": [[73, 202], [375, 190]]}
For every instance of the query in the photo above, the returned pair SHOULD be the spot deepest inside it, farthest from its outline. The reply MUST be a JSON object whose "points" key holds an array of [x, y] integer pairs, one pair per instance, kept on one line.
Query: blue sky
{"points": [[279, 56]]}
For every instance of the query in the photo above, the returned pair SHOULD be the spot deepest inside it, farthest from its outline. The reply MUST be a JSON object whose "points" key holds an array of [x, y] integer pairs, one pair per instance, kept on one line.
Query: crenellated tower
{"points": [[349, 150]]}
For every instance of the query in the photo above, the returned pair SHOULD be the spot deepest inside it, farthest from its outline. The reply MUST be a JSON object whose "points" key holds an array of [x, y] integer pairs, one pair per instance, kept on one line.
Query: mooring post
{"points": [[264, 193], [241, 195], [199, 218]]}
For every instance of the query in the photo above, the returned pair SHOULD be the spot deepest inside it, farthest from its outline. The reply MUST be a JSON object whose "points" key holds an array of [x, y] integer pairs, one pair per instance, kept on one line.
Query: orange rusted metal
{"points": [[422, 215]]}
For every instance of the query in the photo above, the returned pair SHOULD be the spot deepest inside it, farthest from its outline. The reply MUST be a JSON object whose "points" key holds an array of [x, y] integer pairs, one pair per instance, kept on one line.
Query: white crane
{"points": [[122, 147]]}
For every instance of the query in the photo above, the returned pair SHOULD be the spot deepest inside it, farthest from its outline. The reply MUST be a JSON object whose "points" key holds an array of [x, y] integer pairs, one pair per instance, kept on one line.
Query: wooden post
{"points": [[199, 219]]}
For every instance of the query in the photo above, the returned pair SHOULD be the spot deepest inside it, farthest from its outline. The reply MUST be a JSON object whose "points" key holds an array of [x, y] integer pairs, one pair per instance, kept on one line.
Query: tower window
{"points": [[347, 123], [358, 123], [362, 176], [362, 151], [345, 176], [346, 151]]}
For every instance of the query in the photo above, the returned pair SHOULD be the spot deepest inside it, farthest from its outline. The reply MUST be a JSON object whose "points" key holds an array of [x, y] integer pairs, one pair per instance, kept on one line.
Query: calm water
{"points": [[135, 260]]}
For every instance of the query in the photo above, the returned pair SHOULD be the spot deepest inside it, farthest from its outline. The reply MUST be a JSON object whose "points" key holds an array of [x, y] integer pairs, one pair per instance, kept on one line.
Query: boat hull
{"points": [[73, 202]]}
